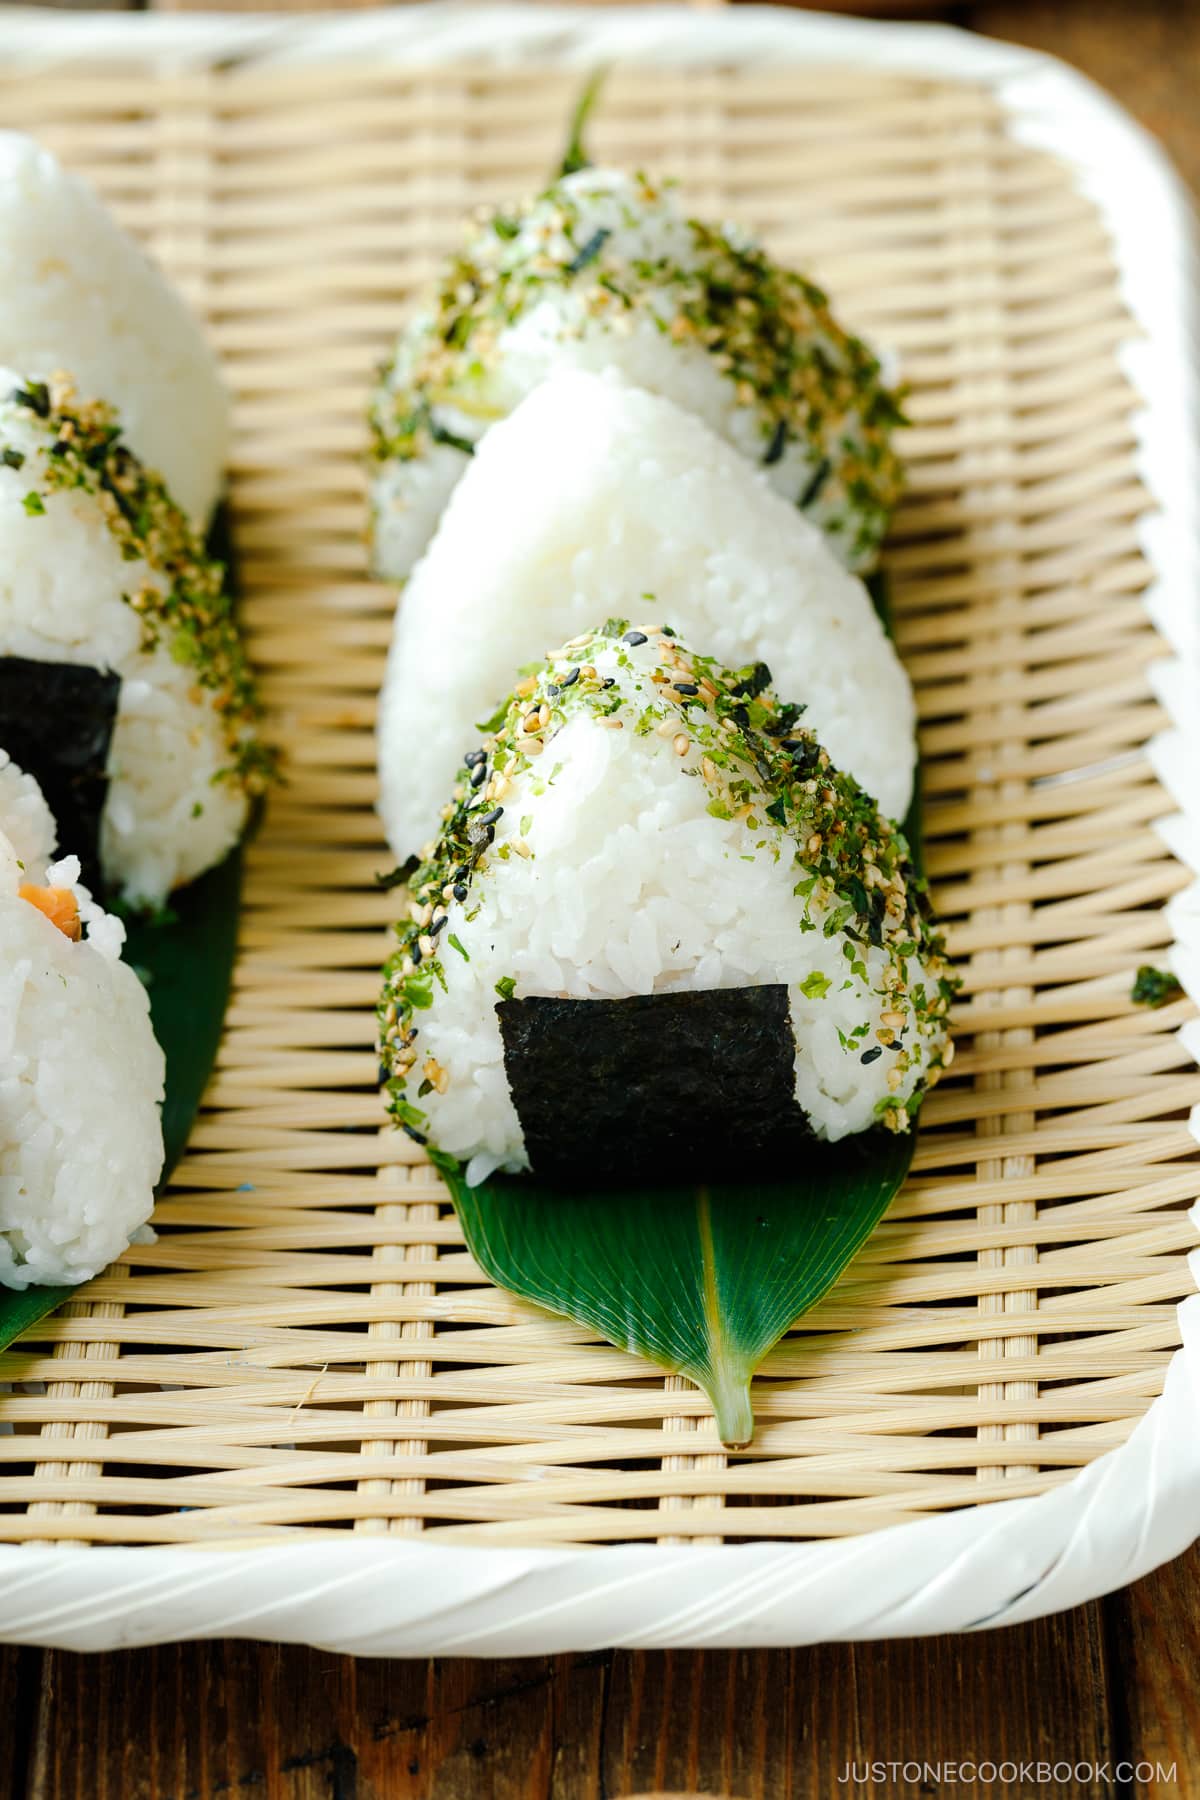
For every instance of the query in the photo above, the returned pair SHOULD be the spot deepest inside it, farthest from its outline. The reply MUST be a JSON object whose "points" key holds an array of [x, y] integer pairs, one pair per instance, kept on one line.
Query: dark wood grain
{"points": [[20, 1673], [195, 1722], [1116, 1679], [187, 1722], [1154, 1633]]}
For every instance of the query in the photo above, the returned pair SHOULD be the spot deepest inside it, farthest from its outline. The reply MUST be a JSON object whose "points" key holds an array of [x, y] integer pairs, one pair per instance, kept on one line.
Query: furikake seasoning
{"points": [[809, 385], [1155, 987], [760, 765], [186, 605]]}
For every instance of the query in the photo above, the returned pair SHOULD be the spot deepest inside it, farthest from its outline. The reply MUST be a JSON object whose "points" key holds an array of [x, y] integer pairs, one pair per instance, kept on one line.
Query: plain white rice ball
{"points": [[622, 834], [605, 268], [99, 568], [28, 824], [81, 1075], [592, 492], [77, 294]]}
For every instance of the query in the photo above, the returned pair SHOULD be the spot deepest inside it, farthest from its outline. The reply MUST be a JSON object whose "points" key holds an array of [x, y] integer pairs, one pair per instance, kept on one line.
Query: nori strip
{"points": [[667, 1083], [56, 721]]}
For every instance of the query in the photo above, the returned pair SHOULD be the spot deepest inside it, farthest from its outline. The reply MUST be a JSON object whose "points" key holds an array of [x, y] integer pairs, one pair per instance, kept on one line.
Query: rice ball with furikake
{"points": [[605, 269], [77, 292], [122, 675], [658, 928]]}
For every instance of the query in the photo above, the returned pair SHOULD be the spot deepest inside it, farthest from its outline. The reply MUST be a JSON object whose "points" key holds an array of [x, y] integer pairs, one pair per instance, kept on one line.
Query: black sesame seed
{"points": [[438, 925], [552, 690], [489, 818], [418, 1137], [872, 1055], [479, 774], [634, 638], [816, 482], [569, 679], [609, 681], [776, 446], [685, 687], [474, 756], [414, 950], [460, 890]]}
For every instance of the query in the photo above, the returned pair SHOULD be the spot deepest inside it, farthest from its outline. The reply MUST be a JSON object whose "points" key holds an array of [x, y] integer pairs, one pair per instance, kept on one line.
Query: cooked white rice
{"points": [[26, 820], [77, 294], [635, 855], [604, 269], [80, 584], [81, 1076], [589, 494]]}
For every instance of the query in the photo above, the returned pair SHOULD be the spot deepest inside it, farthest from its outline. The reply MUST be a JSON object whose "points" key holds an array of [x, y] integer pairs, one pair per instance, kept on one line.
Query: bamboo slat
{"points": [[308, 1347]]}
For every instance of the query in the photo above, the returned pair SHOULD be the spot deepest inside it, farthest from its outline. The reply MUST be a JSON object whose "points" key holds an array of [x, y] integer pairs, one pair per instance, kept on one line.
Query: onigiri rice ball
{"points": [[81, 1075], [100, 569], [77, 293], [26, 820], [605, 269], [591, 491], [654, 909]]}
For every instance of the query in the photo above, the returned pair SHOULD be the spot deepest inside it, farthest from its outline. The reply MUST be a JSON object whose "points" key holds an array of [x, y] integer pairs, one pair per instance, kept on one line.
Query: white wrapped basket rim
{"points": [[1128, 1510]]}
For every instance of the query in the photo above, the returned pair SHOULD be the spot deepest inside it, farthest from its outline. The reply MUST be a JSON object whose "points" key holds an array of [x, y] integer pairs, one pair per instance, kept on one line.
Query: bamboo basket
{"points": [[305, 1376]]}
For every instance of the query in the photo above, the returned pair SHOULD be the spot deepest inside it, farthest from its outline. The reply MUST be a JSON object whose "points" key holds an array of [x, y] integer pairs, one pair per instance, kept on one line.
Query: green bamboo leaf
{"points": [[701, 1280], [186, 961]]}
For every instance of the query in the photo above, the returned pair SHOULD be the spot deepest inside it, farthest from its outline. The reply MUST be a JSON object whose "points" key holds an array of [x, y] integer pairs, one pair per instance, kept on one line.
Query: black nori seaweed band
{"points": [[664, 1084], [56, 722]]}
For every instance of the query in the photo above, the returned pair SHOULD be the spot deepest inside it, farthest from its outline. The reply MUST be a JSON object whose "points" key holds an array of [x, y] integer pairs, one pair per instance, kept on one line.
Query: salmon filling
{"points": [[59, 906]]}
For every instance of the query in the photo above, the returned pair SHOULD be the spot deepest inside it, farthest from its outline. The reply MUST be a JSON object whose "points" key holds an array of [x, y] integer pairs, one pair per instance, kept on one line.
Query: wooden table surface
{"points": [[1111, 1682]]}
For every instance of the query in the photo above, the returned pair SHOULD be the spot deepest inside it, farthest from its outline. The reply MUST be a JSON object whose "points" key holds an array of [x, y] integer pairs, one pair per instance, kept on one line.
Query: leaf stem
{"points": [[729, 1392], [575, 157]]}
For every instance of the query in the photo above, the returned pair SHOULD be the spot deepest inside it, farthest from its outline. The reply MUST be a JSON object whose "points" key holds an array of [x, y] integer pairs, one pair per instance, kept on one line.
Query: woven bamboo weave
{"points": [[307, 1345]]}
